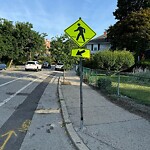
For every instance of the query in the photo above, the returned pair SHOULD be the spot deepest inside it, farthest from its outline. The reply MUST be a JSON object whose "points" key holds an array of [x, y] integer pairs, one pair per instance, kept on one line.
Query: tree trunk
{"points": [[10, 63], [118, 86]]}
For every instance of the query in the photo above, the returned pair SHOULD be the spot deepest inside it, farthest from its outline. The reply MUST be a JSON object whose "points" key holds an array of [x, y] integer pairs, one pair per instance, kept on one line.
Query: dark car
{"points": [[2, 66], [46, 65]]}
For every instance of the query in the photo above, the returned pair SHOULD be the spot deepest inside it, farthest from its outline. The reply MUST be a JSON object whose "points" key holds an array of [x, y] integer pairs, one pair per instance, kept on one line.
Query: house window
{"points": [[89, 47], [95, 47], [98, 46], [104, 46]]}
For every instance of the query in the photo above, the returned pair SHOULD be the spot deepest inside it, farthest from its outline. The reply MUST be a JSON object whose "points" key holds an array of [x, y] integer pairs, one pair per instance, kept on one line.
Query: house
{"points": [[98, 44], [47, 43], [47, 46]]}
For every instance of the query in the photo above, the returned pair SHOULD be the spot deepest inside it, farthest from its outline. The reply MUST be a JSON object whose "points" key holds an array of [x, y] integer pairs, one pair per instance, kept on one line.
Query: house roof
{"points": [[99, 39]]}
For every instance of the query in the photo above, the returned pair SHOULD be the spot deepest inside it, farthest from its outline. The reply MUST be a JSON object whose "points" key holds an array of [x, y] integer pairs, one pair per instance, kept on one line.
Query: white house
{"points": [[98, 44]]}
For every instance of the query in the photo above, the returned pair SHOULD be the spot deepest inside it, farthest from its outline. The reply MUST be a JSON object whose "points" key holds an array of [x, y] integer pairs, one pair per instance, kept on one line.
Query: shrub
{"points": [[143, 76], [104, 83], [124, 60], [114, 60], [145, 63]]}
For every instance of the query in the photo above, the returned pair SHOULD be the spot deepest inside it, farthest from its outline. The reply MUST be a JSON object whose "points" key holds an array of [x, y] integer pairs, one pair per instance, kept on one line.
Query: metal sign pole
{"points": [[76, 33], [81, 94]]}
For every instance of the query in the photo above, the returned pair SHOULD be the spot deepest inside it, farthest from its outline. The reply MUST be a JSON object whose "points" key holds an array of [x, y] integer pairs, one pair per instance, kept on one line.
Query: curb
{"points": [[68, 125]]}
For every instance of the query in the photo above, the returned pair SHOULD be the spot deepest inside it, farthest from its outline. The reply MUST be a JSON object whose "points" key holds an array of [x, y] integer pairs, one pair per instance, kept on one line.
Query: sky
{"points": [[54, 16]]}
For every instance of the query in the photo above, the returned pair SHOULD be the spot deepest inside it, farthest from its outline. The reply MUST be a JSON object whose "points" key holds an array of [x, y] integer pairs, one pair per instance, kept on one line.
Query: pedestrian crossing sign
{"points": [[80, 32]]}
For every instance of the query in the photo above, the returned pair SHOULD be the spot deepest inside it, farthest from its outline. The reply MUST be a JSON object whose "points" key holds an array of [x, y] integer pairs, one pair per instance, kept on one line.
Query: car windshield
{"points": [[59, 64], [45, 63], [30, 62]]}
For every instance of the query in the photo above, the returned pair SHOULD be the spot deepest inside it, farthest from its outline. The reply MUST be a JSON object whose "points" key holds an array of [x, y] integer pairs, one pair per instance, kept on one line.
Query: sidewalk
{"points": [[106, 126]]}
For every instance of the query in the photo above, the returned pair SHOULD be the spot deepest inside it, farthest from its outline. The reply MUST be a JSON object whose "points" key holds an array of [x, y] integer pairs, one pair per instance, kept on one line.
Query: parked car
{"points": [[46, 65], [59, 67], [2, 66], [33, 65]]}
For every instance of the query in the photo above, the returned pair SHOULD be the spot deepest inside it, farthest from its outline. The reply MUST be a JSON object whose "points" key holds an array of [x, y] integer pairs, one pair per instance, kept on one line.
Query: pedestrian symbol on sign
{"points": [[81, 32]]}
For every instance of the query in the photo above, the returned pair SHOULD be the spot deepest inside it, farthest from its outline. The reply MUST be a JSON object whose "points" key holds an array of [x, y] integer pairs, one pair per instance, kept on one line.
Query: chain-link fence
{"points": [[120, 83]]}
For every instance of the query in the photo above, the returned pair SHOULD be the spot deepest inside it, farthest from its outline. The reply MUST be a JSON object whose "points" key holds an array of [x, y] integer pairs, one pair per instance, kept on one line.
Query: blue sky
{"points": [[54, 16]]}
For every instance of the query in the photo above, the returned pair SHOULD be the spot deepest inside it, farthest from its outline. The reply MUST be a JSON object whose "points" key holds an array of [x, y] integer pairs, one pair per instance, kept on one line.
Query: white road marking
{"points": [[14, 80], [9, 82], [8, 99]]}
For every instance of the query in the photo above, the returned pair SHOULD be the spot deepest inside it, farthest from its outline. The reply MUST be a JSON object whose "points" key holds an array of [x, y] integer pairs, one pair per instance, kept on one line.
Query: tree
{"points": [[115, 61], [19, 41], [132, 30], [29, 42], [126, 7], [132, 33], [7, 39], [61, 50]]}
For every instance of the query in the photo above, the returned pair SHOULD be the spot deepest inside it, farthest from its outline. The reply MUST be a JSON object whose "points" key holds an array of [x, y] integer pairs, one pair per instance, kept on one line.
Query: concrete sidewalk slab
{"points": [[46, 131], [76, 140], [106, 126]]}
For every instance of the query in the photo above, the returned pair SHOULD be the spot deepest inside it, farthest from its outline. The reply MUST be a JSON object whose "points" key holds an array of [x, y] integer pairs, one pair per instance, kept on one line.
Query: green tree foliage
{"points": [[132, 33], [6, 38], [29, 42], [19, 40], [113, 60], [90, 63], [61, 50], [123, 60], [8, 41], [132, 30], [125, 7]]}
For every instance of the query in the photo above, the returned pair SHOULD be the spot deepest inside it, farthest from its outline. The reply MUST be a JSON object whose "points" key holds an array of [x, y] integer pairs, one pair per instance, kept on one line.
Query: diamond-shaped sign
{"points": [[80, 32]]}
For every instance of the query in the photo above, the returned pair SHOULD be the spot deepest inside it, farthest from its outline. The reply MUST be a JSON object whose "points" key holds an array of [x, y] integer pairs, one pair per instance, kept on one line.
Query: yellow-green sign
{"points": [[84, 53], [80, 32]]}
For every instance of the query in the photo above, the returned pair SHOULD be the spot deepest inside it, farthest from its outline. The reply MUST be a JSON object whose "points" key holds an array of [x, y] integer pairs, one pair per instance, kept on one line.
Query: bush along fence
{"points": [[120, 83], [97, 78]]}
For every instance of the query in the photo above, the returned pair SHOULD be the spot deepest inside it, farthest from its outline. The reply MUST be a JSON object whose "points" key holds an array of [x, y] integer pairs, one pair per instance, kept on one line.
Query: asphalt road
{"points": [[30, 115]]}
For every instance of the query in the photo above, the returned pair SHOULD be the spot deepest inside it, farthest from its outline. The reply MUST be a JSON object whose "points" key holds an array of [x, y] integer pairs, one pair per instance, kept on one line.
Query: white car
{"points": [[33, 65], [59, 67]]}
